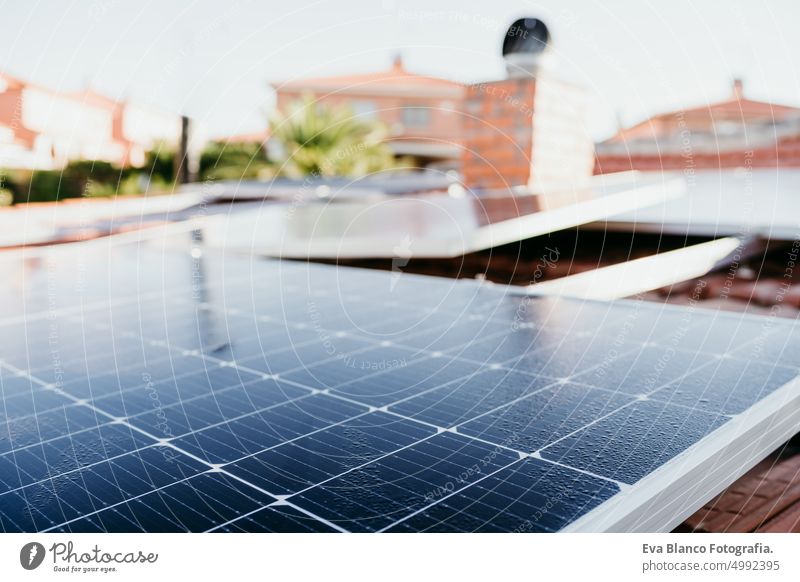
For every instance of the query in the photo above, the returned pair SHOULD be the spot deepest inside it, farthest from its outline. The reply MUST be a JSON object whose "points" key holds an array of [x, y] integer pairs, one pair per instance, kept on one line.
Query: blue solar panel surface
{"points": [[146, 389]]}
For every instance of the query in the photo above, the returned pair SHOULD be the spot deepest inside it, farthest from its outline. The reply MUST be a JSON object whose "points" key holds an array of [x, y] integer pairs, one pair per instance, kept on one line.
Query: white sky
{"points": [[213, 60]]}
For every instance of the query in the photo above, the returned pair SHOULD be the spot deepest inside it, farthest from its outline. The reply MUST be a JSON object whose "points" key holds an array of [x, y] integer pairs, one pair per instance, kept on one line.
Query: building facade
{"points": [[527, 132], [737, 132], [422, 114], [44, 129]]}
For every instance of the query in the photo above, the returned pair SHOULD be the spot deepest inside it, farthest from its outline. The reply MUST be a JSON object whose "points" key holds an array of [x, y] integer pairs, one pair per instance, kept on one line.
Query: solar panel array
{"points": [[152, 390]]}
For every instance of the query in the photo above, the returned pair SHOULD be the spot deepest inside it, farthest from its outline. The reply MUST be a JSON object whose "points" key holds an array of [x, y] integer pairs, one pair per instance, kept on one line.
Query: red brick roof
{"points": [[744, 110], [393, 80], [747, 109], [767, 499]]}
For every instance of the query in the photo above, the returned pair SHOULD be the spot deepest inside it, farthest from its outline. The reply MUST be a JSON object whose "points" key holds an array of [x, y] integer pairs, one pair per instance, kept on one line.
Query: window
{"points": [[364, 109], [414, 116], [723, 128]]}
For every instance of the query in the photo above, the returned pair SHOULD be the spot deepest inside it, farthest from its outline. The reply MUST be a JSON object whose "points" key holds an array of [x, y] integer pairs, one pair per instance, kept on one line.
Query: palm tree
{"points": [[328, 141]]}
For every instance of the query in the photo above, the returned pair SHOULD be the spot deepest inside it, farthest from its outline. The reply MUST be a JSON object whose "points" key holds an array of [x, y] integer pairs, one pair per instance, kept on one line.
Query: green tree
{"points": [[233, 161], [159, 164], [328, 141]]}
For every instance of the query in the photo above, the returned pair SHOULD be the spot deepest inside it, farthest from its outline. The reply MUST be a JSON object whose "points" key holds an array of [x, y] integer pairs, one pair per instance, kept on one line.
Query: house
{"points": [[44, 129], [135, 129], [736, 132], [421, 113]]}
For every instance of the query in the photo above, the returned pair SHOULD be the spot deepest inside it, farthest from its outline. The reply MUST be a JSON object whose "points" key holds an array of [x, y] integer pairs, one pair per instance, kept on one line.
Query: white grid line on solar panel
{"points": [[161, 492], [527, 396], [358, 333], [535, 455], [359, 466], [65, 357], [497, 443], [117, 301], [448, 495], [111, 420], [276, 425], [522, 454], [499, 511], [77, 387], [182, 350], [454, 492], [67, 454], [260, 446], [133, 428], [231, 419], [205, 381], [279, 499], [376, 372], [500, 407], [362, 403], [204, 377], [426, 356], [140, 431], [427, 331], [350, 444], [510, 371], [238, 521], [254, 407], [44, 441], [497, 494], [257, 410], [686, 499], [93, 492], [571, 466], [556, 382], [125, 509], [239, 524], [439, 450], [516, 455], [220, 361], [308, 343]]}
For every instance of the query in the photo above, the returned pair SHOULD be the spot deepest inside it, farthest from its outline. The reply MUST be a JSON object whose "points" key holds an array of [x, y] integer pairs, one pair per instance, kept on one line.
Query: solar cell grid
{"points": [[269, 396]]}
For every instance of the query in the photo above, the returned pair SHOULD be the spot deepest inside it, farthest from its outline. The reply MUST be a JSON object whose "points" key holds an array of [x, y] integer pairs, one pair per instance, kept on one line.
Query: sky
{"points": [[215, 61]]}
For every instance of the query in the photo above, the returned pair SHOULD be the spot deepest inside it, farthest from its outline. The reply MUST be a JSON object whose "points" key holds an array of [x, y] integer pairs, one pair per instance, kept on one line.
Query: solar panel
{"points": [[147, 388], [430, 226], [722, 202]]}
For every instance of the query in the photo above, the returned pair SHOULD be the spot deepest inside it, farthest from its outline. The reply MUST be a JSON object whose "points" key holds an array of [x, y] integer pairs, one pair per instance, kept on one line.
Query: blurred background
{"points": [[459, 139]]}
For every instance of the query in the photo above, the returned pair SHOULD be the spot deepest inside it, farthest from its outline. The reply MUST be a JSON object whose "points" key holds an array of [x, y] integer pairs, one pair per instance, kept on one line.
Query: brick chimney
{"points": [[528, 130]]}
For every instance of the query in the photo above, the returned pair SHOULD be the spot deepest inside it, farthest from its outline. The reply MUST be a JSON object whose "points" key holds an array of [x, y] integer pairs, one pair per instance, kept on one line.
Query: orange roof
{"points": [[736, 109], [393, 80], [746, 109]]}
